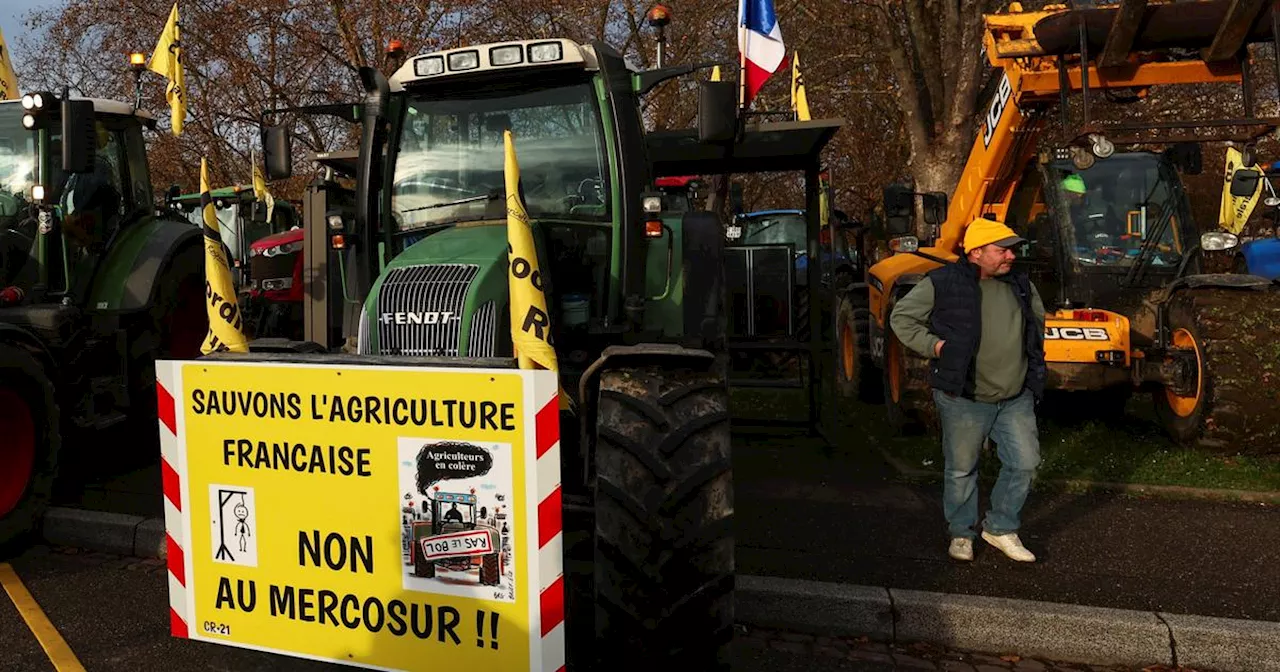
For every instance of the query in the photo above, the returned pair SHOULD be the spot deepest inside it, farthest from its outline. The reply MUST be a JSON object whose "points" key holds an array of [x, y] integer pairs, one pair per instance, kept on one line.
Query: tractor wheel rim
{"points": [[847, 360], [18, 454], [895, 372], [1182, 406]]}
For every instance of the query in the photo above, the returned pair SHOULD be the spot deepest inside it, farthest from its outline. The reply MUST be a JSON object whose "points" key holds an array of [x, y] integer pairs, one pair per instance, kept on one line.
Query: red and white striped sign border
{"points": [[547, 531], [171, 465], [549, 527]]}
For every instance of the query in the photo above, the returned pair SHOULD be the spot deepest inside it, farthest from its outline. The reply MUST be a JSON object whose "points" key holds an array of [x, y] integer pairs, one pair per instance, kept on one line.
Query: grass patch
{"points": [[1130, 450]]}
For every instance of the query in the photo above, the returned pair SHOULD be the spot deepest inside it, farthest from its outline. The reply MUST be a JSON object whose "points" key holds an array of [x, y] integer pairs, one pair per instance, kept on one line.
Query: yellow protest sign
{"points": [[530, 321], [226, 322], [8, 78], [167, 60], [799, 99], [1235, 210], [397, 517]]}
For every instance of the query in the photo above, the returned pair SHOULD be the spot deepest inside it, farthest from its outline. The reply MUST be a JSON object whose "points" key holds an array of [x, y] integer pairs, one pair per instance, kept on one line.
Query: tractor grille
{"points": [[420, 309], [262, 267], [484, 333]]}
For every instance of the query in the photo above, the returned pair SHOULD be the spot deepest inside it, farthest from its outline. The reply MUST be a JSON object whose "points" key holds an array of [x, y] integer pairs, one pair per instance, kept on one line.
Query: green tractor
{"points": [[94, 287], [635, 292]]}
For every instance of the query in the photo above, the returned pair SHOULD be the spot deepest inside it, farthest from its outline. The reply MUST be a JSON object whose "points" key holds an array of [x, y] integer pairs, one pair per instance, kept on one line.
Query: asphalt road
{"points": [[803, 512], [113, 614]]}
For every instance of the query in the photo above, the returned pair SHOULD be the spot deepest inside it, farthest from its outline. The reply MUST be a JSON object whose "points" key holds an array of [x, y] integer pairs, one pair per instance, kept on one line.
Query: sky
{"points": [[11, 14]]}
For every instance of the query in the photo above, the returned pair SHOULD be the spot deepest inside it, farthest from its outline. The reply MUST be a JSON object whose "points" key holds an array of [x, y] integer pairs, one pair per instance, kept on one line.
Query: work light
{"points": [[464, 60], [430, 65], [508, 55], [545, 52]]}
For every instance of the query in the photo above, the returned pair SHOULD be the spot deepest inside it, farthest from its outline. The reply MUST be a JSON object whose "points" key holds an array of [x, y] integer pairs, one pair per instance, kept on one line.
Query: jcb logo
{"points": [[998, 105], [1076, 334]]}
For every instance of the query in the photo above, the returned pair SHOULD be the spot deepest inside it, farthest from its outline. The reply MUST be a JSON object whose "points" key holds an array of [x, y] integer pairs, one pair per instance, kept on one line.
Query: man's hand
{"points": [[937, 349]]}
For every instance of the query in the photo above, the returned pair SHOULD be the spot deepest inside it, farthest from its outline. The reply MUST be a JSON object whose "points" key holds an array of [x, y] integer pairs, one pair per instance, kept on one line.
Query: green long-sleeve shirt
{"points": [[1002, 364]]}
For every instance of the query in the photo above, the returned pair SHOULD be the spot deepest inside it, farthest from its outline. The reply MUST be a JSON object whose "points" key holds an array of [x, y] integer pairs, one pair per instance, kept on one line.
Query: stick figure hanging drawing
{"points": [[242, 528]]}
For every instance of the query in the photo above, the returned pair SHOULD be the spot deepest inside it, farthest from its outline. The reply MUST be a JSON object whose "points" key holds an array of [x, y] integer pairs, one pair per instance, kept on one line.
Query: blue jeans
{"points": [[965, 426]]}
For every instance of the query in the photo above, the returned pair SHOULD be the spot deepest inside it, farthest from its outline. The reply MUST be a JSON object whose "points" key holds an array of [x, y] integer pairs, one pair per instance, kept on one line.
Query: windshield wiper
{"points": [[492, 195]]}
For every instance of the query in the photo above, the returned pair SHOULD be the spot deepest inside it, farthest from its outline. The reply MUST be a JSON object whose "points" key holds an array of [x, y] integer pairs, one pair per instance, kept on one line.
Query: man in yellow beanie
{"points": [[982, 325]]}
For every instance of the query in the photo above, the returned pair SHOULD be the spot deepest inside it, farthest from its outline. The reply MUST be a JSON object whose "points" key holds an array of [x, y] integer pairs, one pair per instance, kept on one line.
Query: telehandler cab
{"points": [[1113, 248], [94, 287], [635, 293]]}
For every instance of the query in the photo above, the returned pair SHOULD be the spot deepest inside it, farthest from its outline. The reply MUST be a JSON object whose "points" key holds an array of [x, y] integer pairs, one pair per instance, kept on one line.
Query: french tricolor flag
{"points": [[760, 43]]}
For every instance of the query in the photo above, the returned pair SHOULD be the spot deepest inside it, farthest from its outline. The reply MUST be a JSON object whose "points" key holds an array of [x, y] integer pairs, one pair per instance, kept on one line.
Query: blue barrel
{"points": [[1263, 257]]}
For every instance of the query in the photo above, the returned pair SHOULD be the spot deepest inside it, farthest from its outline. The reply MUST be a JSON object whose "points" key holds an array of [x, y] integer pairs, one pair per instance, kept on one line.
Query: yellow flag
{"points": [[530, 322], [260, 187], [715, 74], [799, 101], [167, 61], [225, 321], [1235, 210], [8, 80]]}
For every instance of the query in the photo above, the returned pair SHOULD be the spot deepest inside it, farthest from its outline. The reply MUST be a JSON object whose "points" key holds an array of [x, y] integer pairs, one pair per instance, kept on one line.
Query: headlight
{"points": [[733, 232], [1216, 241], [28, 121], [335, 222], [547, 51], [431, 65], [282, 249], [652, 204], [508, 55], [464, 60]]}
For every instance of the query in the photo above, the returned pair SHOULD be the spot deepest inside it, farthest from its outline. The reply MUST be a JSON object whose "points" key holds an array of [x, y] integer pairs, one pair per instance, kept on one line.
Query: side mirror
{"points": [[935, 208], [79, 137], [1244, 182], [717, 112], [735, 198], [898, 202], [277, 153]]}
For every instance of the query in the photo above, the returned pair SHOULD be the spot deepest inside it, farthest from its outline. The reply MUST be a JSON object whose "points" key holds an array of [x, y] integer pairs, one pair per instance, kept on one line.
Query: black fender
{"points": [[627, 355], [167, 238], [11, 333]]}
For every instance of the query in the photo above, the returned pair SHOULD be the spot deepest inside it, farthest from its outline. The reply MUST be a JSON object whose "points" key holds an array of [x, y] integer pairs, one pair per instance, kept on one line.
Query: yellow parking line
{"points": [[54, 645]]}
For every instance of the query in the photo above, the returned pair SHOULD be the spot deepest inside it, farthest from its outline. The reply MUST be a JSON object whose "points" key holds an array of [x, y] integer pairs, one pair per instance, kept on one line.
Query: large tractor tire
{"points": [[29, 450], [1235, 407], [664, 550], [856, 376], [907, 396], [173, 328]]}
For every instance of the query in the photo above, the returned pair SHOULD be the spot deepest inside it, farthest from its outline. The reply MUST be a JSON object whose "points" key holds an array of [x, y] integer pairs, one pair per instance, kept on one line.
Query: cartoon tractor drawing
{"points": [[456, 539]]}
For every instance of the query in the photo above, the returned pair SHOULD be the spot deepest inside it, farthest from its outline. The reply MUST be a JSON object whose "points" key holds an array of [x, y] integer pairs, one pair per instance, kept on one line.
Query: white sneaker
{"points": [[1010, 545], [961, 548]]}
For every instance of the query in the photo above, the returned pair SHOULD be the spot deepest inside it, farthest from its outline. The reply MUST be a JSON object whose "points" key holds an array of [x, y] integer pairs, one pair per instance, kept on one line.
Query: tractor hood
{"points": [[277, 239], [443, 296]]}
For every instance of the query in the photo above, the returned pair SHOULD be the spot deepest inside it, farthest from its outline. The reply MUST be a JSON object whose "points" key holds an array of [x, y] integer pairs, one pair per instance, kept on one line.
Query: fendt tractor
{"points": [[1112, 245], [94, 287], [634, 290]]}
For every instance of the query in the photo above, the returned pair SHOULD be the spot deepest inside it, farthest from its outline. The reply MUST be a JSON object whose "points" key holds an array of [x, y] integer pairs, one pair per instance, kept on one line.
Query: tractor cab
{"points": [[91, 205], [1101, 228]]}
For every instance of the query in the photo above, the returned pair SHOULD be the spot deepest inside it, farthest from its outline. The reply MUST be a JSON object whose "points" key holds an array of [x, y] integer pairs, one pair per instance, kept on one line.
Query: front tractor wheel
{"points": [[1227, 338], [856, 376], [664, 550], [29, 449]]}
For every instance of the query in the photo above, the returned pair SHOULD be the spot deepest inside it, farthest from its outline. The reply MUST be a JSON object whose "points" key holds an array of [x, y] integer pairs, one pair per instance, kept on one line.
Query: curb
{"points": [[1183, 492], [1064, 632], [106, 532]]}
